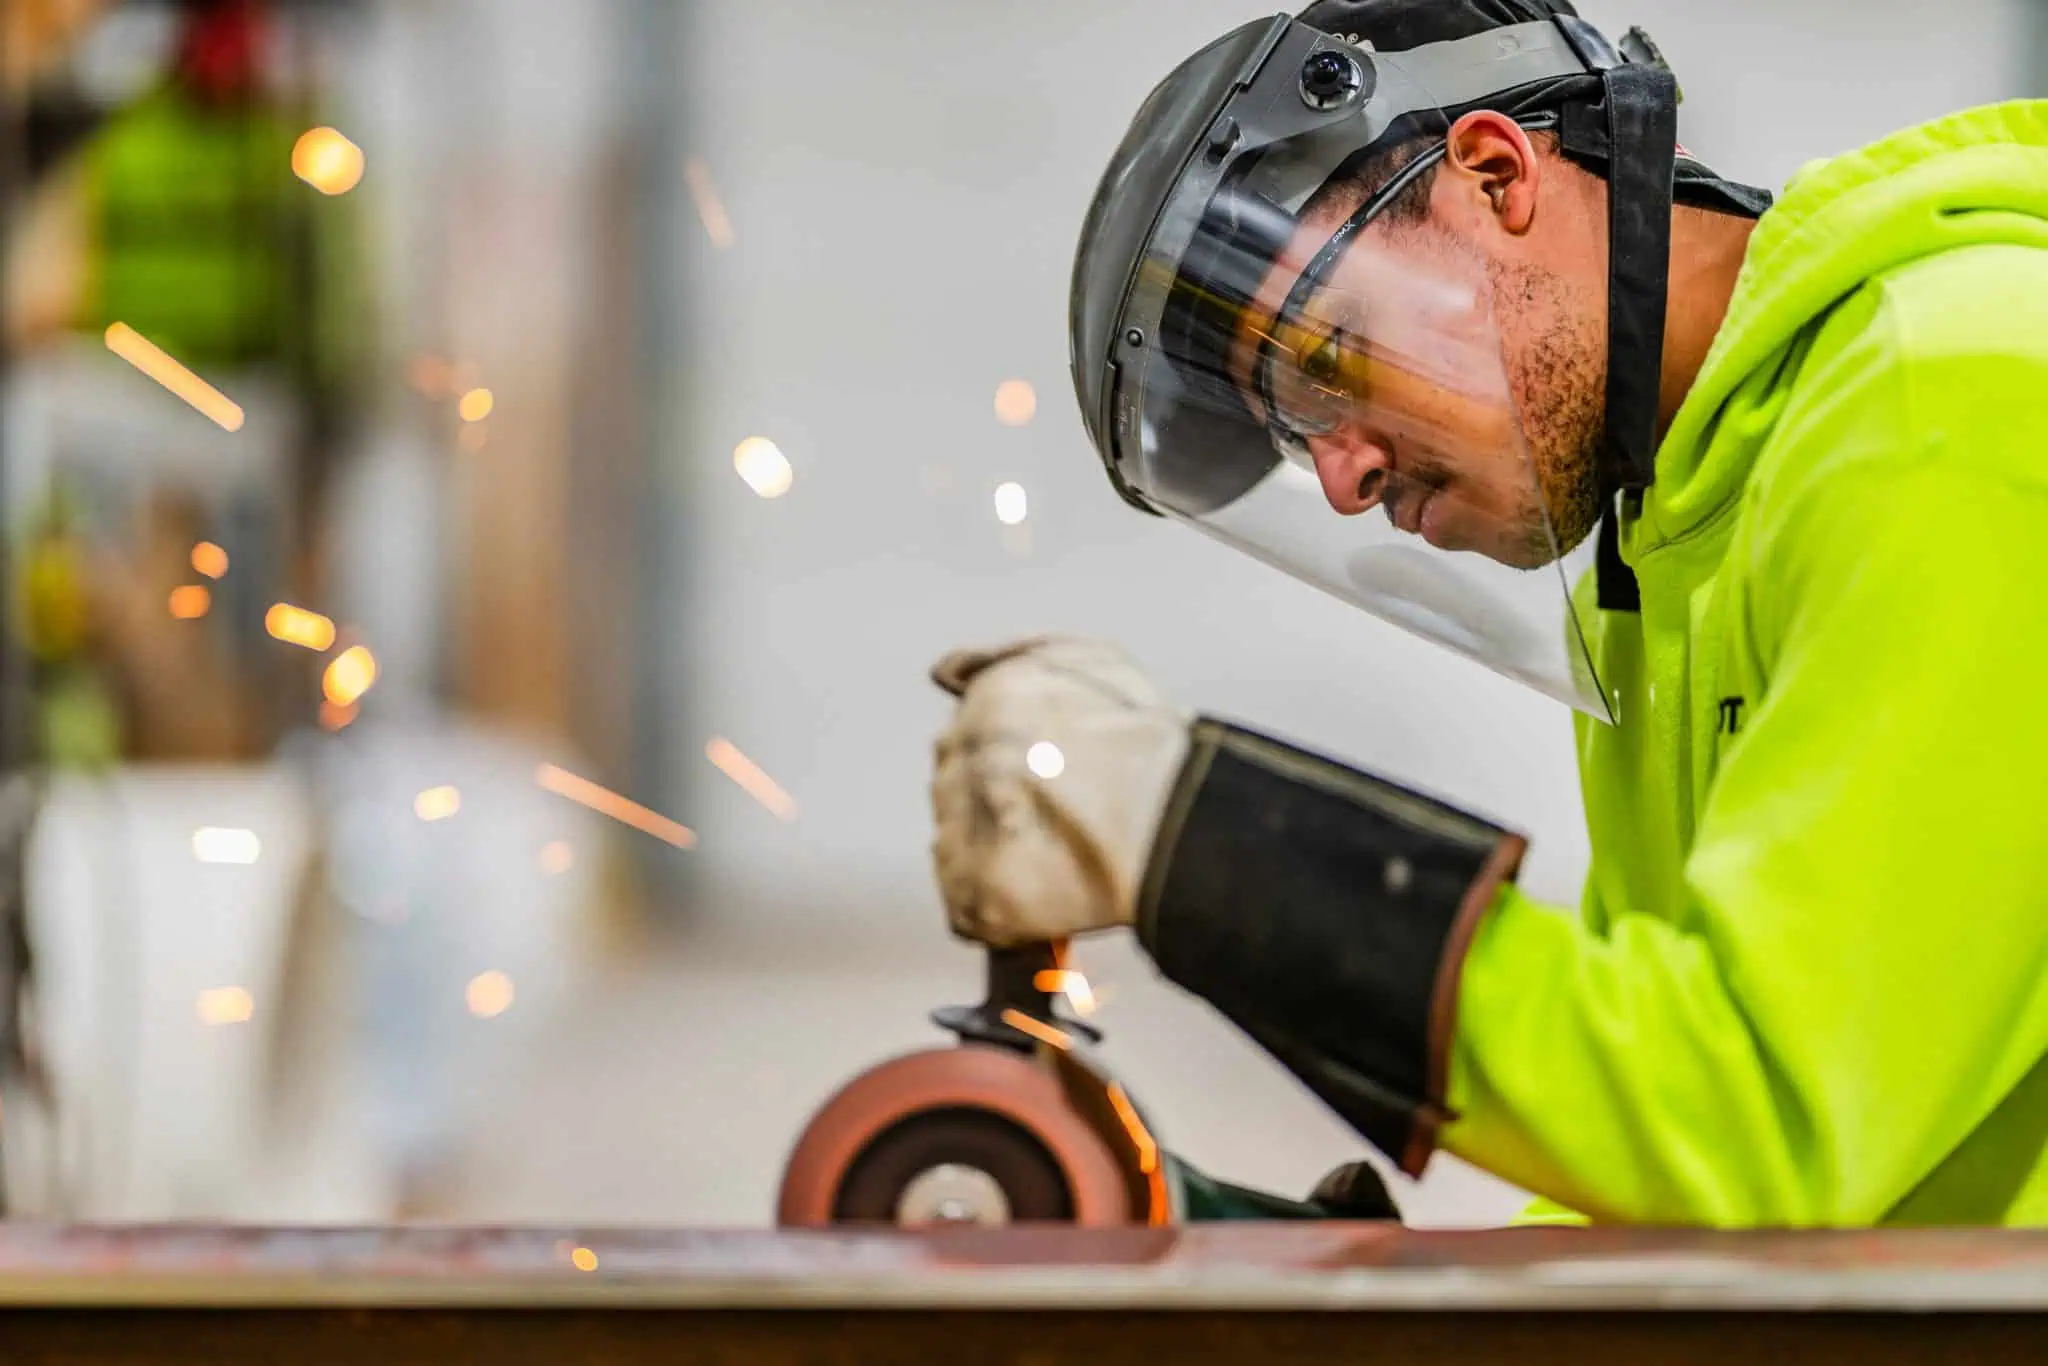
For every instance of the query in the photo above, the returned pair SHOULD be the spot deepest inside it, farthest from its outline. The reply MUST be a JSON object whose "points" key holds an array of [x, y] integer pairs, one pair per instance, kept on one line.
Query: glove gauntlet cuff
{"points": [[1327, 913]]}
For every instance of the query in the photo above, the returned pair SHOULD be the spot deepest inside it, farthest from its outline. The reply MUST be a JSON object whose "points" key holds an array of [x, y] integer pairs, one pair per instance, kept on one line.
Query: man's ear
{"points": [[1493, 160]]}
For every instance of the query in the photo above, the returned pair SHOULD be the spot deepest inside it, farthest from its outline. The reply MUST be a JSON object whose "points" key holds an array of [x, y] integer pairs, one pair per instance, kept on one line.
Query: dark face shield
{"points": [[1322, 388]]}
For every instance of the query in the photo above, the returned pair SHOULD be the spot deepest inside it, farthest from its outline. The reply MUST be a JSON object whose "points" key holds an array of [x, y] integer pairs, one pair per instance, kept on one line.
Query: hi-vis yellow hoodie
{"points": [[1808, 983]]}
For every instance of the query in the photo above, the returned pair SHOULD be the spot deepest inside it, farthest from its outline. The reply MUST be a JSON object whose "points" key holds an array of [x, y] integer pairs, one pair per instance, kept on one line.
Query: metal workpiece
{"points": [[1300, 1292], [1248, 1267]]}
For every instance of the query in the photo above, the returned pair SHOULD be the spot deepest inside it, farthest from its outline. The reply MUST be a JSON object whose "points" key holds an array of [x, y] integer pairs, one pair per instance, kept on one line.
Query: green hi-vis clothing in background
{"points": [[197, 222], [1809, 980], [206, 243]]}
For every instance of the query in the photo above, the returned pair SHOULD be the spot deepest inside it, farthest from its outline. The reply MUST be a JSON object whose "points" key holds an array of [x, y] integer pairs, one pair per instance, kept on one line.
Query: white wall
{"points": [[905, 179]]}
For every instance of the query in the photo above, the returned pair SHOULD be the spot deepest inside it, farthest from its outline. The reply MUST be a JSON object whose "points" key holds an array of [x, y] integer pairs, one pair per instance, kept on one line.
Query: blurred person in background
{"points": [[178, 215], [163, 198], [346, 1067], [1441, 261]]}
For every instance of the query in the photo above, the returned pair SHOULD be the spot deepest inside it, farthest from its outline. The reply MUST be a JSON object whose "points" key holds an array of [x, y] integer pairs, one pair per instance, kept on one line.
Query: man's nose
{"points": [[1353, 471]]}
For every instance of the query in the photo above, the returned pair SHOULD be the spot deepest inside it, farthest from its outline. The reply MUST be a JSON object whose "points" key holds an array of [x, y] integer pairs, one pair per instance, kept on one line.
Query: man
{"points": [[1439, 258]]}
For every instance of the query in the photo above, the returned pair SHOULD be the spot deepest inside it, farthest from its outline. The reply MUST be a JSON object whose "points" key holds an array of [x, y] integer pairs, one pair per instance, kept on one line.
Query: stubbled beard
{"points": [[1557, 378]]}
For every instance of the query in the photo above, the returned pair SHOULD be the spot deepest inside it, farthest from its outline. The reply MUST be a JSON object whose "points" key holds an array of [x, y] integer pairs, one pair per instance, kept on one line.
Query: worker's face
{"points": [[1447, 371]]}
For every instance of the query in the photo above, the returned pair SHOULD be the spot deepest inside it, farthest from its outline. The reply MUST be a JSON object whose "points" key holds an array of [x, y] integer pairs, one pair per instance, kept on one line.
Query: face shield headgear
{"points": [[1254, 344]]}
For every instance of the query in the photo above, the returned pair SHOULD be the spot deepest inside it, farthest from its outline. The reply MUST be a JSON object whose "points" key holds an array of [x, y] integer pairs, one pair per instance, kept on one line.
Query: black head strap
{"points": [[1642, 136], [1642, 128], [1614, 584]]}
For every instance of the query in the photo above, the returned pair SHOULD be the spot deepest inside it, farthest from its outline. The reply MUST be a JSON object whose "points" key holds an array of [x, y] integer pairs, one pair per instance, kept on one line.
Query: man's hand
{"points": [[1048, 787]]}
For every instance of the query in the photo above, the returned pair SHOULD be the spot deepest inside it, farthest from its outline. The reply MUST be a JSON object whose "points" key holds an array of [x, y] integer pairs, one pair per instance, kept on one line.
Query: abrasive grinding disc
{"points": [[967, 1134]]}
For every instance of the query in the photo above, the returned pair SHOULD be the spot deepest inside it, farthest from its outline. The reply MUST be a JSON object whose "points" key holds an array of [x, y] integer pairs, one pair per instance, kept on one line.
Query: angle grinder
{"points": [[1016, 1123]]}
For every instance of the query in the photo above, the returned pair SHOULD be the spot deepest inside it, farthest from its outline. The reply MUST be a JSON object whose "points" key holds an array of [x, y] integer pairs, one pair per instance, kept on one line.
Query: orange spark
{"points": [[710, 208], [297, 626], [1148, 1152], [727, 759], [1037, 1029], [432, 376], [226, 1005], [1016, 402], [209, 559], [327, 160], [1073, 984], [437, 803], [349, 675], [489, 994], [152, 360], [606, 802], [190, 601]]}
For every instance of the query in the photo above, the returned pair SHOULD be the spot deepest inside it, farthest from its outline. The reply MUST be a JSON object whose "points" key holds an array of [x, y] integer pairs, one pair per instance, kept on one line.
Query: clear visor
{"points": [[1329, 395]]}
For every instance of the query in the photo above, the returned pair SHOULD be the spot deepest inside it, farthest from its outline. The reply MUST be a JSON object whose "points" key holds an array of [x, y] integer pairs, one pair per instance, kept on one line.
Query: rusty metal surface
{"points": [[1263, 1268]]}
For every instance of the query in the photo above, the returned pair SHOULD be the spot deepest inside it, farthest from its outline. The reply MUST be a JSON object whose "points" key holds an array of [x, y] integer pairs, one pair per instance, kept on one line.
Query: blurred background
{"points": [[481, 484]]}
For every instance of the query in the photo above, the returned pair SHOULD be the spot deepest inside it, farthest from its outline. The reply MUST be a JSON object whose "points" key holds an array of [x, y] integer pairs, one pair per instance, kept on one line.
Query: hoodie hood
{"points": [[1972, 178]]}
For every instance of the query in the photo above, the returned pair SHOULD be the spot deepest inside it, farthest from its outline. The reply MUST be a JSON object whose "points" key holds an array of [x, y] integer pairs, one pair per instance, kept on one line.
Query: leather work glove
{"points": [[1048, 788], [1322, 909]]}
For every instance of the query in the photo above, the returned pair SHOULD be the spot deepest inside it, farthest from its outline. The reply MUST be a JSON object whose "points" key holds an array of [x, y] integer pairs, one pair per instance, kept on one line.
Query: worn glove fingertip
{"points": [[960, 667]]}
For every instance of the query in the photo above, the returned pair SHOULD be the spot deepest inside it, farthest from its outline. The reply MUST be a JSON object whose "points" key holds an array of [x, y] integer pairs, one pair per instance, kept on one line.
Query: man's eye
{"points": [[1319, 362]]}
